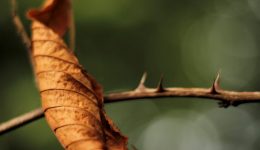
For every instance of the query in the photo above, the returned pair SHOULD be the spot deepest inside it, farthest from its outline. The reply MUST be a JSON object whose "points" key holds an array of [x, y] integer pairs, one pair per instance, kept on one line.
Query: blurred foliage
{"points": [[117, 40]]}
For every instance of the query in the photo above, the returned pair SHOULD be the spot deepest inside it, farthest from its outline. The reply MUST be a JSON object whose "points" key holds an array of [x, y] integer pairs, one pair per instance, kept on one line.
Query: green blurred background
{"points": [[117, 40]]}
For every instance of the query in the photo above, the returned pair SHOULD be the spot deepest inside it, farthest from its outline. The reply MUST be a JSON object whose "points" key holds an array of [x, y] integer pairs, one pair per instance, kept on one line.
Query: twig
{"points": [[21, 30], [19, 26], [226, 99], [20, 120]]}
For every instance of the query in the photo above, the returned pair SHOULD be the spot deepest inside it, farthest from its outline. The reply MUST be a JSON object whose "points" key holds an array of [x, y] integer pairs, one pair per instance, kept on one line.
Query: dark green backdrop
{"points": [[117, 40]]}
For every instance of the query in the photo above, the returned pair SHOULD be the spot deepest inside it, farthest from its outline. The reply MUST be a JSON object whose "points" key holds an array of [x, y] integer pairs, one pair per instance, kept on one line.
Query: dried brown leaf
{"points": [[72, 100]]}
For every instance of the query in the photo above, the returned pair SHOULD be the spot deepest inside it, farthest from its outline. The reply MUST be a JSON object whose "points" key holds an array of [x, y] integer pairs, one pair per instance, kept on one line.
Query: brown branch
{"points": [[20, 120], [226, 99], [19, 26]]}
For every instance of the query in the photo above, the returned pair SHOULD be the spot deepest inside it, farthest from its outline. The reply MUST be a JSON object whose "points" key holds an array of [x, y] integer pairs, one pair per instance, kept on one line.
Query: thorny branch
{"points": [[225, 98]]}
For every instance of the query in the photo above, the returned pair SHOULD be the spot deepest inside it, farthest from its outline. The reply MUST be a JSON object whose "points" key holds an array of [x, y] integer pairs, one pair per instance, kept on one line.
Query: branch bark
{"points": [[225, 98], [21, 120]]}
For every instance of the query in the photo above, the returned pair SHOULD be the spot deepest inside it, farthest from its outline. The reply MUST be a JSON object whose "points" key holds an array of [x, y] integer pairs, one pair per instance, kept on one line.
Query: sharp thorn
{"points": [[160, 87], [143, 79], [142, 82], [215, 86]]}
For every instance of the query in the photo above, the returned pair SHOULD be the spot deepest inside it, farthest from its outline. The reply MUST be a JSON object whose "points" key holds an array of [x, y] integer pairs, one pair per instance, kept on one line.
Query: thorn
{"points": [[141, 85], [143, 79], [160, 87], [215, 86]]}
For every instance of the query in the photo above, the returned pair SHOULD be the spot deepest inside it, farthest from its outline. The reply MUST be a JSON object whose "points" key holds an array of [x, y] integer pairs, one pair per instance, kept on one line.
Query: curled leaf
{"points": [[72, 100]]}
